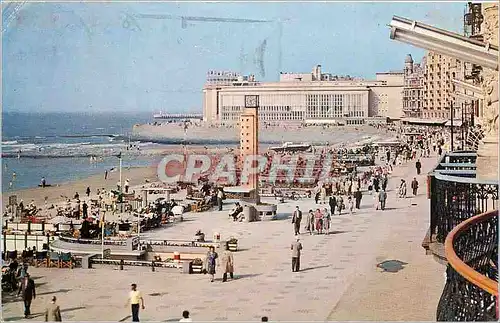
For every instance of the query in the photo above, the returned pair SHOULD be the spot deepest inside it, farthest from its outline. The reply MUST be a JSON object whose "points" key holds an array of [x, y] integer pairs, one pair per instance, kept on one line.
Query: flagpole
{"points": [[102, 234], [121, 184]]}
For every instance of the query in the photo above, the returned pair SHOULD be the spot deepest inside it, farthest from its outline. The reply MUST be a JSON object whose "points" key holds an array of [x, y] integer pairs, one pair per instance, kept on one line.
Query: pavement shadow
{"points": [[40, 284], [71, 309], [243, 276], [19, 318], [312, 268], [55, 292], [335, 232]]}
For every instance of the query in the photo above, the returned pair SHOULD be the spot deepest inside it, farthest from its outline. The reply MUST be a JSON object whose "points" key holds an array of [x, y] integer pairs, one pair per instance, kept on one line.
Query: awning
{"points": [[423, 121]]}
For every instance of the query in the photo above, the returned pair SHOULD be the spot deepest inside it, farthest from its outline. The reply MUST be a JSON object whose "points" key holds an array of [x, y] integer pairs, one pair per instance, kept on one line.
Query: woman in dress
{"points": [[327, 218], [319, 221], [211, 262]]}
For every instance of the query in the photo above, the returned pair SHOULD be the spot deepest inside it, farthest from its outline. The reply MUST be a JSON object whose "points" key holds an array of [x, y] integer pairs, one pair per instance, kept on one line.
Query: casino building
{"points": [[315, 97]]}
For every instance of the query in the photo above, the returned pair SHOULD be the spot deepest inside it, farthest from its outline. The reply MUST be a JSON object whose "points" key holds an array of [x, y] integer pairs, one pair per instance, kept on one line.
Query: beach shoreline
{"points": [[59, 192]]}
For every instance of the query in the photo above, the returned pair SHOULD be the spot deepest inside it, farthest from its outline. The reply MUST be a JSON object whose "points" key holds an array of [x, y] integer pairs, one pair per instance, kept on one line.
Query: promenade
{"points": [[339, 279]]}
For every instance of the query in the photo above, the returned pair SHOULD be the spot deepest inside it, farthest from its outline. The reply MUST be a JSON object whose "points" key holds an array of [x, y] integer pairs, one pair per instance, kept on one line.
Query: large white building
{"points": [[305, 97]]}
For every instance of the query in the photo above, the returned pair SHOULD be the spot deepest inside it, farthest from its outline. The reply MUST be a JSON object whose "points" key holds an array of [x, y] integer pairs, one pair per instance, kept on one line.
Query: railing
{"points": [[471, 290], [140, 263], [115, 242], [455, 199], [456, 195]]}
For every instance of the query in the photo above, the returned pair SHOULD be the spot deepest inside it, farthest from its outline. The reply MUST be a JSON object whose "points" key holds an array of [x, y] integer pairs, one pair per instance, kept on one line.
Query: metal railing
{"points": [[471, 290], [456, 195]]}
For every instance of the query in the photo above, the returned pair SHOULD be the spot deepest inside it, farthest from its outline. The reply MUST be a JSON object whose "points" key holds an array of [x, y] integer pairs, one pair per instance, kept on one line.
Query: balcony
{"points": [[471, 289], [463, 234], [455, 196]]}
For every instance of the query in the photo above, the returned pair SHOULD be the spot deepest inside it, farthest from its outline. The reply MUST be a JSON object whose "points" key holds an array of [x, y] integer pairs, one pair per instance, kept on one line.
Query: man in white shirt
{"points": [[135, 297]]}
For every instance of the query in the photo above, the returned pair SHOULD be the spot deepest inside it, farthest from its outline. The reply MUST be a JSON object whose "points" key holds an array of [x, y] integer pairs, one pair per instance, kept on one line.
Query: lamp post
{"points": [[451, 143], [462, 127], [102, 232]]}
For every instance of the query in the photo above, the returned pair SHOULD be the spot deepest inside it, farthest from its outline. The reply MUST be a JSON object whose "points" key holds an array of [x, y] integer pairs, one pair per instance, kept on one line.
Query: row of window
{"points": [[326, 106]]}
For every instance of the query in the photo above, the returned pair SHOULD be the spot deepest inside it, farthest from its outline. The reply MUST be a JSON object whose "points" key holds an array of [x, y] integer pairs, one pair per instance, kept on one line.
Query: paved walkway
{"points": [[339, 281]]}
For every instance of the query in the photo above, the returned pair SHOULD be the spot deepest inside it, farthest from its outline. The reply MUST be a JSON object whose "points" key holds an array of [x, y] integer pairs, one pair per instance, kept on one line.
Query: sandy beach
{"points": [[137, 175]]}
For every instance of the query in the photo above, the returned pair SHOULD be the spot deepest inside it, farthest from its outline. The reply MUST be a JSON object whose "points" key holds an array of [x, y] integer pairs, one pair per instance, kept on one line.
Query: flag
{"points": [[119, 155]]}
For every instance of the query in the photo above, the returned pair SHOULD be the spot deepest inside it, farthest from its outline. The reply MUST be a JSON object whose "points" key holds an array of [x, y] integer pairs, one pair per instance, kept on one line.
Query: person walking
{"points": [[220, 198], [53, 312], [296, 219], [357, 196], [227, 261], [106, 174], [414, 186], [402, 189], [211, 262], [85, 210], [382, 198], [27, 288], [296, 251], [309, 219], [127, 185], [318, 217], [340, 204], [88, 191], [327, 219], [418, 166], [135, 299], [350, 204], [185, 317], [333, 204]]}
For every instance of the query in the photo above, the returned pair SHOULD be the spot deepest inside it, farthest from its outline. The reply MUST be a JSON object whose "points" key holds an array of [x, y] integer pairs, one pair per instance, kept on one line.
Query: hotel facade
{"points": [[299, 98]]}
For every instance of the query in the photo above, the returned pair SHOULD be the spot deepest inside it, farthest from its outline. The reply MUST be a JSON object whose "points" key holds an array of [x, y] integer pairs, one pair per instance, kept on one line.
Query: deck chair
{"points": [[65, 260], [41, 259], [53, 260]]}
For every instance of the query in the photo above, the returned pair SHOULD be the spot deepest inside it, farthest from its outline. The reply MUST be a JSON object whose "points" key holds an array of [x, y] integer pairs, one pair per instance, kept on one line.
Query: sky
{"points": [[90, 57]]}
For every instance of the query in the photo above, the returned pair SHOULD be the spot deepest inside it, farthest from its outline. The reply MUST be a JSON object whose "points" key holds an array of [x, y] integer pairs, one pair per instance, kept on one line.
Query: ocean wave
{"points": [[64, 145], [12, 142], [19, 146]]}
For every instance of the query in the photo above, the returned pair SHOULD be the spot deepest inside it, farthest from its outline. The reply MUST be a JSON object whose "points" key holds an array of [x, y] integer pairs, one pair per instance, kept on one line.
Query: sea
{"points": [[58, 146]]}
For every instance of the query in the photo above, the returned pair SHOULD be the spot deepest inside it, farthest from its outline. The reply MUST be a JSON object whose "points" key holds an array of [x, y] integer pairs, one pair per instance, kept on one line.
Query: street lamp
{"points": [[444, 42], [452, 116]]}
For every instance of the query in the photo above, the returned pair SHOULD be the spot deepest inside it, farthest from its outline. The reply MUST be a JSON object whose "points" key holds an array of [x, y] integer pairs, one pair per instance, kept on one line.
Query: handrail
{"points": [[464, 180], [461, 267]]}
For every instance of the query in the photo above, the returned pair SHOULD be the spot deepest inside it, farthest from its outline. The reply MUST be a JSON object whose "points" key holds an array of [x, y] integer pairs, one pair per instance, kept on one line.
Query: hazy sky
{"points": [[97, 57]]}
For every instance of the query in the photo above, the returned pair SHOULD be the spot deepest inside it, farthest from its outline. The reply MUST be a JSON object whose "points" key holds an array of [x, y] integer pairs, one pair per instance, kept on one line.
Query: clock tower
{"points": [[249, 140]]}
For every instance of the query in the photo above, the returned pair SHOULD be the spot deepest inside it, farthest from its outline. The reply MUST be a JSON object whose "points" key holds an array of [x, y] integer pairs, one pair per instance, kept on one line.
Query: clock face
{"points": [[251, 101]]}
